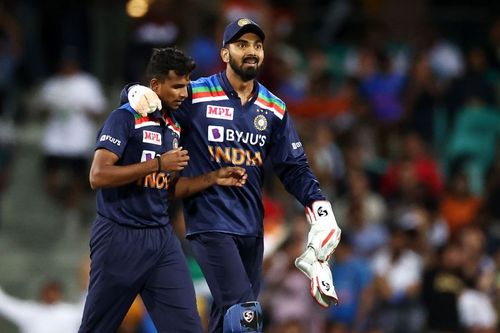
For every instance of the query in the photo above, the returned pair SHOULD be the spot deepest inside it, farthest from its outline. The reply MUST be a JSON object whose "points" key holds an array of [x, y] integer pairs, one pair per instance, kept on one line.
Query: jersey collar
{"points": [[229, 90]]}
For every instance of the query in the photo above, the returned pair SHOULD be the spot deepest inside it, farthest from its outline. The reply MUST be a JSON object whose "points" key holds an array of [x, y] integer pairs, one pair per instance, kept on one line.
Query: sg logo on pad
{"points": [[215, 133], [248, 315]]}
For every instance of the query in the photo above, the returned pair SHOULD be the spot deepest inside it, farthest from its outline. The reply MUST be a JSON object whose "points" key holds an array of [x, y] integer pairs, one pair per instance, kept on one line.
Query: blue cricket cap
{"points": [[239, 27]]}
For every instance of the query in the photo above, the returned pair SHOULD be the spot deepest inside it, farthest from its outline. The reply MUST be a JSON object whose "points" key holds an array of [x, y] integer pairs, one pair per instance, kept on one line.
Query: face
{"points": [[244, 56], [51, 293], [172, 90]]}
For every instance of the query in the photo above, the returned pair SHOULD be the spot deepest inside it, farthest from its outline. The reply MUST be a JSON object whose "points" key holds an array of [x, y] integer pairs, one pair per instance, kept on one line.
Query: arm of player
{"points": [[184, 187], [104, 172], [16, 310]]}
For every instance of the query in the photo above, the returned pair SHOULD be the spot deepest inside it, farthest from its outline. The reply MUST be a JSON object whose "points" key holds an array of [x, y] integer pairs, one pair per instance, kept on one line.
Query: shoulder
{"points": [[209, 82], [124, 114], [125, 111], [207, 89], [269, 101]]}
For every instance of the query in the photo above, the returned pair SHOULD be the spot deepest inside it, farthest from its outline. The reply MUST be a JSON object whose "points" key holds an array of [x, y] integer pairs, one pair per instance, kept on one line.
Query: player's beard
{"points": [[246, 74]]}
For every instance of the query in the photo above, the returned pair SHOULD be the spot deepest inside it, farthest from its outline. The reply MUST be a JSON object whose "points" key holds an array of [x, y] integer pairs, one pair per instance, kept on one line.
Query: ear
{"points": [[224, 54], [154, 84]]}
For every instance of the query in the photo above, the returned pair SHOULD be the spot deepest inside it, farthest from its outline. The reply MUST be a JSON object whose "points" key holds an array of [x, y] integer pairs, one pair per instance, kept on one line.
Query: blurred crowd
{"points": [[398, 107]]}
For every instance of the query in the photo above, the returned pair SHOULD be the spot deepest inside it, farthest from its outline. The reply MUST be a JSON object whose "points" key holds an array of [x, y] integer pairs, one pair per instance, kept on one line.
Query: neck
{"points": [[164, 111], [243, 88]]}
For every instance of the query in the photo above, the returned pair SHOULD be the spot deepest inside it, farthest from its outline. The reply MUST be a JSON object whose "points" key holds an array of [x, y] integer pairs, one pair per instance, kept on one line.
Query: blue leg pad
{"points": [[243, 318]]}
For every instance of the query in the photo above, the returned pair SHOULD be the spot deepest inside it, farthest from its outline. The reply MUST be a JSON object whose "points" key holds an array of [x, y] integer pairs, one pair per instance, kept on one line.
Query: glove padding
{"points": [[143, 100], [322, 289], [324, 235]]}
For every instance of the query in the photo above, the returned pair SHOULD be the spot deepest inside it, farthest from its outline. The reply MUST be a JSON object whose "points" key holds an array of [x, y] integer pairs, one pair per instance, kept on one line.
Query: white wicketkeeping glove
{"points": [[324, 235], [322, 289], [143, 100]]}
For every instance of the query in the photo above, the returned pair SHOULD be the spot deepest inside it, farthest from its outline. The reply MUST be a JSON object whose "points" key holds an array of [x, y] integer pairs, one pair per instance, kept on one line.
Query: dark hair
{"points": [[166, 59]]}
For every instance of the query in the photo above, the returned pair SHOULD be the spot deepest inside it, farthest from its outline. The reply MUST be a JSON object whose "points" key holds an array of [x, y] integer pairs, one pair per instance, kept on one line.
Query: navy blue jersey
{"points": [[134, 139], [219, 131]]}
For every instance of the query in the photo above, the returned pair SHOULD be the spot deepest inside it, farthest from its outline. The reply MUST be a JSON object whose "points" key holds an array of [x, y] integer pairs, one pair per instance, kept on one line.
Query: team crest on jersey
{"points": [[151, 137], [260, 122], [175, 143]]}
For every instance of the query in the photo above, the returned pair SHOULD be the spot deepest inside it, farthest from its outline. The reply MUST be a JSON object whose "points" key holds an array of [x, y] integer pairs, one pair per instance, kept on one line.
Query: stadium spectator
{"points": [[442, 285], [459, 206], [72, 100], [49, 314], [398, 271]]}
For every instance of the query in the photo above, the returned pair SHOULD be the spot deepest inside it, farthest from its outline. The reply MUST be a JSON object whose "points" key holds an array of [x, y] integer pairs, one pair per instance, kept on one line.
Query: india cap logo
{"points": [[260, 122], [244, 21]]}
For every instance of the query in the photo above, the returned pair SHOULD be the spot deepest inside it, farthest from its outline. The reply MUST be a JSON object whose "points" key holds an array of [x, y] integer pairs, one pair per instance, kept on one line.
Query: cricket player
{"points": [[230, 119], [133, 247]]}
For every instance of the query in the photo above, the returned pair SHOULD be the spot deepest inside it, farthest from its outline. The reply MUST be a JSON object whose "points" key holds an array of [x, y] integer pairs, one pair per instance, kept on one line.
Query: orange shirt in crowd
{"points": [[460, 212]]}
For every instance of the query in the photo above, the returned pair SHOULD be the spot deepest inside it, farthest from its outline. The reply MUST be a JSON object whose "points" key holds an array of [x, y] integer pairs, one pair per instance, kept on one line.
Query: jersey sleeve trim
{"points": [[268, 101], [140, 121], [207, 90]]}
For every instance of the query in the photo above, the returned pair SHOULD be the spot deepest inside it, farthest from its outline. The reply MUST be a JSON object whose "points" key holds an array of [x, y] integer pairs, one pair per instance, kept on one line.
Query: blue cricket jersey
{"points": [[134, 139], [219, 131]]}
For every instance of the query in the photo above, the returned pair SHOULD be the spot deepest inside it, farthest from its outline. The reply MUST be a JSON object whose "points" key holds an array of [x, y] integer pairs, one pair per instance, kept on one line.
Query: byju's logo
{"points": [[215, 133], [147, 155]]}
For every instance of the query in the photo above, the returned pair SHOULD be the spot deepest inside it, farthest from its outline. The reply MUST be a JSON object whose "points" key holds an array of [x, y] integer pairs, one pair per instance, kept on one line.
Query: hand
{"points": [[322, 289], [324, 235], [143, 100], [174, 160], [230, 176]]}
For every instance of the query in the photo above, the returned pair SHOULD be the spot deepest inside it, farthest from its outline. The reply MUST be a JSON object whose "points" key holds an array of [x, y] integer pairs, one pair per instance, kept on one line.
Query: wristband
{"points": [[158, 159]]}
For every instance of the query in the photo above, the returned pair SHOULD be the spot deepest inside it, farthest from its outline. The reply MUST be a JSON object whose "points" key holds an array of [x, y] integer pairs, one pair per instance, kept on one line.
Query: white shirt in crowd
{"points": [[37, 317], [476, 310], [400, 274], [70, 100]]}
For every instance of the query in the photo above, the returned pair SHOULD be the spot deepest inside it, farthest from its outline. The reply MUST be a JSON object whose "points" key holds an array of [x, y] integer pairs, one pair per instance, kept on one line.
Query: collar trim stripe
{"points": [[175, 127]]}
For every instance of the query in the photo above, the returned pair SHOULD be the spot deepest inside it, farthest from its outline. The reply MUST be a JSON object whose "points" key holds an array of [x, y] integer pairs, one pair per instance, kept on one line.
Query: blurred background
{"points": [[398, 107]]}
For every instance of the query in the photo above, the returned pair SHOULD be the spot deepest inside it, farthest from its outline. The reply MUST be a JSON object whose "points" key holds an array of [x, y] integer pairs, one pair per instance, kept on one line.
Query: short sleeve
{"points": [[115, 132]]}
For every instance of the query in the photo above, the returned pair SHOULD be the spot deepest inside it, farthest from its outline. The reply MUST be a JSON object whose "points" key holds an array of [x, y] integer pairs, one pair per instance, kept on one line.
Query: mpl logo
{"points": [[151, 137], [215, 133], [220, 112]]}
